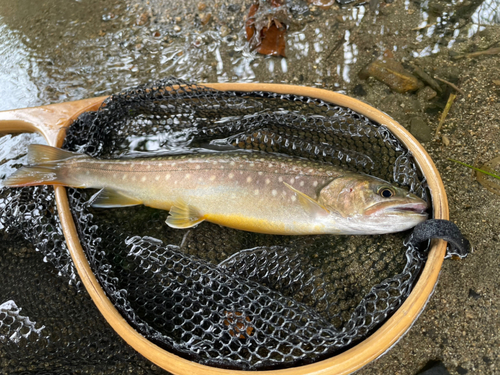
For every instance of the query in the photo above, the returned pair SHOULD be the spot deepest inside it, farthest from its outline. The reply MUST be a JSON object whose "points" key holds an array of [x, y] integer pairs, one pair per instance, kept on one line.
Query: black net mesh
{"points": [[216, 295]]}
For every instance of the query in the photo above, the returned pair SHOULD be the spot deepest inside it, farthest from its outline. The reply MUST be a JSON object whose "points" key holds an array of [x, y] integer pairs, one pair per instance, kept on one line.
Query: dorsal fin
{"points": [[309, 204], [183, 216]]}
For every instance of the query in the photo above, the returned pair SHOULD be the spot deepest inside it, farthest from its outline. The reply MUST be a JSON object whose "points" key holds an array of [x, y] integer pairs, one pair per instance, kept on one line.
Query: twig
{"points": [[423, 27], [451, 85], [451, 99], [426, 78], [476, 169], [490, 51], [339, 44]]}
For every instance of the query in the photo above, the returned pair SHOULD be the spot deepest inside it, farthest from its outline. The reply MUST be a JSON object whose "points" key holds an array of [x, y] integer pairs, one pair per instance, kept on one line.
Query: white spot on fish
{"points": [[167, 176], [249, 179], [173, 164], [274, 193], [187, 175], [124, 177], [214, 162], [103, 165], [200, 179], [157, 178], [110, 166], [198, 166], [142, 162], [114, 175], [268, 181], [256, 191], [133, 178], [232, 163], [231, 175], [241, 172], [284, 193], [270, 165], [212, 178], [280, 179], [87, 172], [294, 198], [311, 170], [315, 183], [175, 182], [143, 178], [252, 164], [301, 183], [183, 157], [260, 173], [292, 180], [233, 195], [321, 169], [160, 164]]}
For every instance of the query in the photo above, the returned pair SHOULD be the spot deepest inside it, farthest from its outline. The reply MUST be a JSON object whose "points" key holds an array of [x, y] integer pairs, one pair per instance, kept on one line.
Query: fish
{"points": [[251, 191]]}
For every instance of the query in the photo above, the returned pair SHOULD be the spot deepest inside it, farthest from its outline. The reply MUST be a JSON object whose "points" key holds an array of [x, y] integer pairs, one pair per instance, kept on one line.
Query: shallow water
{"points": [[60, 50]]}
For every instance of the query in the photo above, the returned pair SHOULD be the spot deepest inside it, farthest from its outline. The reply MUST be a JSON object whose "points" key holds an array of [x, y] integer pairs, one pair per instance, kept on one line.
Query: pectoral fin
{"points": [[309, 204], [183, 216], [111, 198]]}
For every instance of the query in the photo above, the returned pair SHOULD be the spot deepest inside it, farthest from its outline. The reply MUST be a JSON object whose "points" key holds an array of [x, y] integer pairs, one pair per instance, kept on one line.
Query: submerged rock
{"points": [[435, 368], [420, 130], [426, 93], [389, 71]]}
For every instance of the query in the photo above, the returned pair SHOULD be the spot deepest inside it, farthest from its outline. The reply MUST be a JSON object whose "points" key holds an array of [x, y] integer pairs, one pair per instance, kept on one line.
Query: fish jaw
{"points": [[409, 206], [390, 222]]}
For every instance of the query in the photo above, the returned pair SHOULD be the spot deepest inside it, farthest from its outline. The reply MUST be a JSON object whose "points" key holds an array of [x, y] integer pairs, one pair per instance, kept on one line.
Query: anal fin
{"points": [[111, 198], [309, 204], [183, 216]]}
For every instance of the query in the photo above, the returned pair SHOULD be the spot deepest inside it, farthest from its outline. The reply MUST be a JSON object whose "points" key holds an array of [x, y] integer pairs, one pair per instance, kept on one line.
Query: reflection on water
{"points": [[17, 66], [13, 151], [458, 19], [82, 49]]}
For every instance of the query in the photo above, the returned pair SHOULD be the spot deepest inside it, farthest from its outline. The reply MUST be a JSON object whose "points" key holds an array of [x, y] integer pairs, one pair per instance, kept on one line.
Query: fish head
{"points": [[372, 205]]}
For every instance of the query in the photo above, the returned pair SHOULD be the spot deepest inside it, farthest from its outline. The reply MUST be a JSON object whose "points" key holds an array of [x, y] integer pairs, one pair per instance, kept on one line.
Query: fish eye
{"points": [[386, 192]]}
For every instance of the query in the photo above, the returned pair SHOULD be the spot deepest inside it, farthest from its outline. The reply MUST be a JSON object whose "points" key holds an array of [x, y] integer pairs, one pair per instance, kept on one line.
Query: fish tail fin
{"points": [[45, 168]]}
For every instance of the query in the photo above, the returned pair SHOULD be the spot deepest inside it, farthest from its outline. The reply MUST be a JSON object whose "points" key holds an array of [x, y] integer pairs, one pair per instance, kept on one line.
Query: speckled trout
{"points": [[250, 191]]}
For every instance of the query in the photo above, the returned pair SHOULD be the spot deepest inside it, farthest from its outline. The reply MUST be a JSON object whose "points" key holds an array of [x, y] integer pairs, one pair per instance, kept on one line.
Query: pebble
{"points": [[435, 368], [426, 93], [359, 90], [445, 140], [143, 19], [224, 31], [177, 28], [204, 18], [420, 130]]}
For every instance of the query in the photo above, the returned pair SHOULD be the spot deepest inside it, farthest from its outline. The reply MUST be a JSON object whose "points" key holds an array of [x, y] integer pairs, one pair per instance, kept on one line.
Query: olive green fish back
{"points": [[214, 295]]}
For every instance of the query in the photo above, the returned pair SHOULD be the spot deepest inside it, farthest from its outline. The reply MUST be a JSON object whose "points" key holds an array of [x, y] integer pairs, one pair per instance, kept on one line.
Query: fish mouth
{"points": [[416, 208], [409, 208]]}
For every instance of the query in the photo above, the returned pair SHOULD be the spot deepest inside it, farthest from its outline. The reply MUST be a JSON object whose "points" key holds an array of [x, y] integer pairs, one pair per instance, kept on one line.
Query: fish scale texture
{"points": [[211, 294]]}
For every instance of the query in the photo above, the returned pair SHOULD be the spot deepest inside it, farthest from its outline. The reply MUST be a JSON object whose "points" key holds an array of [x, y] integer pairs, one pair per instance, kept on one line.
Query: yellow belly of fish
{"points": [[265, 226]]}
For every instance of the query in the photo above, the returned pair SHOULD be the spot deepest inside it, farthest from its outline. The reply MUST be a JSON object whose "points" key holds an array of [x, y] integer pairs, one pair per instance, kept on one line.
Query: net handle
{"points": [[51, 122]]}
